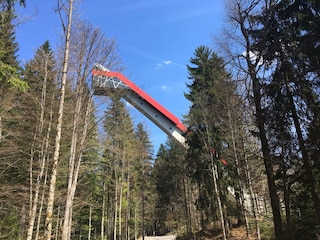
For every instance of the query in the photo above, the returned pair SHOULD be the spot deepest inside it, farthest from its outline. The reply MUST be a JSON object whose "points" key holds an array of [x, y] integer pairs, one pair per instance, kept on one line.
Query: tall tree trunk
{"points": [[306, 163], [115, 204], [41, 204], [286, 198], [103, 211], [215, 177], [57, 224], [46, 161], [266, 157], [120, 204], [128, 208], [0, 128], [143, 200], [89, 223], [50, 202], [240, 13], [42, 157], [187, 204], [72, 163], [74, 172], [216, 190], [136, 222], [33, 212], [237, 164], [252, 198], [260, 121]]}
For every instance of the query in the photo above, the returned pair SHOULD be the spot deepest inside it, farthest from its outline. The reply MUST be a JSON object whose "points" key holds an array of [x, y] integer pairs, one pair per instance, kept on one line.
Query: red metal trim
{"points": [[144, 95]]}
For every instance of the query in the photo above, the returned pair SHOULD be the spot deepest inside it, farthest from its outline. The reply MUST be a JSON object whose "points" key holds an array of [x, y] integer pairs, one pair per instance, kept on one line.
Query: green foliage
{"points": [[10, 75], [10, 72], [288, 40], [210, 93], [9, 225], [266, 228], [170, 176]]}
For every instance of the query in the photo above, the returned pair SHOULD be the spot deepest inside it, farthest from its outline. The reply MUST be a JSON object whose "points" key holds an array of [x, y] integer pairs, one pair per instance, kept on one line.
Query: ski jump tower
{"points": [[104, 80]]}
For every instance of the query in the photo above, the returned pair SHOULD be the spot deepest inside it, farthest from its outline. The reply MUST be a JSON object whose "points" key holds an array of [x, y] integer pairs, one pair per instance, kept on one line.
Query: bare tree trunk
{"points": [[57, 224], [22, 222], [267, 162], [143, 200], [120, 204], [90, 224], [215, 177], [286, 198], [72, 162], [35, 200], [187, 205], [311, 181], [41, 204], [216, 189], [194, 195], [50, 202], [136, 222], [240, 184], [103, 211], [74, 172], [45, 161], [42, 157], [241, 11], [252, 198], [129, 204], [0, 128], [115, 204]]}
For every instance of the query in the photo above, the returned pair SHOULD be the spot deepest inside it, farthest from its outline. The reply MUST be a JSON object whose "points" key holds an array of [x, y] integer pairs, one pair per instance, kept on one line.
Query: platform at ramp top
{"points": [[168, 237]]}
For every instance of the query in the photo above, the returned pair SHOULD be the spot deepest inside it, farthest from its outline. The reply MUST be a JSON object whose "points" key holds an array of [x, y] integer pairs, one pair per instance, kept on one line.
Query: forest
{"points": [[253, 155]]}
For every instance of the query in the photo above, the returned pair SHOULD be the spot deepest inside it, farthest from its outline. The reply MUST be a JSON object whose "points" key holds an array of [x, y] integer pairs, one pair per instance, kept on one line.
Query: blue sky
{"points": [[156, 39]]}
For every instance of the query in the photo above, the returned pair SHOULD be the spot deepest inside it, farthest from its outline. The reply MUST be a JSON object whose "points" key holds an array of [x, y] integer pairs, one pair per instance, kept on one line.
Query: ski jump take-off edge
{"points": [[104, 80]]}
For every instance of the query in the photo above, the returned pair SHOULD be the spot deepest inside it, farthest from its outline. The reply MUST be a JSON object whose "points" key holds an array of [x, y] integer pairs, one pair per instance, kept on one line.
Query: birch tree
{"points": [[68, 7], [88, 46]]}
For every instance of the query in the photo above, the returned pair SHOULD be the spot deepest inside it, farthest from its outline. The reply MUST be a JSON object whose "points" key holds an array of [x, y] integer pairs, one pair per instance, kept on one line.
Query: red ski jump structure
{"points": [[104, 80]]}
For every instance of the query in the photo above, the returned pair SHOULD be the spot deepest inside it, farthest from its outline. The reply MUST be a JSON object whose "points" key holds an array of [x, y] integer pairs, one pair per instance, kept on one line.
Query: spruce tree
{"points": [[12, 165], [209, 91], [170, 176], [120, 154], [10, 71], [143, 186]]}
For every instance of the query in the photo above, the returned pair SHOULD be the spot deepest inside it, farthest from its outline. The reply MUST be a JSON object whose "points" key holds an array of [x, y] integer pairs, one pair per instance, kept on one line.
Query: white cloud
{"points": [[166, 62], [163, 87]]}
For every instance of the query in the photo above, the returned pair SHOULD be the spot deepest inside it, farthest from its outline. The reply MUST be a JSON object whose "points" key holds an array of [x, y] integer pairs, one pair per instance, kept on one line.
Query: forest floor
{"points": [[237, 233]]}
